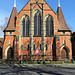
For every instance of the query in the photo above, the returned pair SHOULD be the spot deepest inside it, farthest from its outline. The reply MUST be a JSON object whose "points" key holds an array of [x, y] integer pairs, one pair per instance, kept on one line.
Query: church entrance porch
{"points": [[64, 53], [10, 53]]}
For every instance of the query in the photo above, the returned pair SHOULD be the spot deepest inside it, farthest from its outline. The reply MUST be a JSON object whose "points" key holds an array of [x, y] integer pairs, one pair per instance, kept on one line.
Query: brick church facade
{"points": [[37, 32]]}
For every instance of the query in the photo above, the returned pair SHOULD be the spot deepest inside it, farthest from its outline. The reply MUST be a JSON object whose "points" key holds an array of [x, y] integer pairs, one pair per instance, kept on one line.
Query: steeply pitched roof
{"points": [[62, 23], [11, 22], [46, 6]]}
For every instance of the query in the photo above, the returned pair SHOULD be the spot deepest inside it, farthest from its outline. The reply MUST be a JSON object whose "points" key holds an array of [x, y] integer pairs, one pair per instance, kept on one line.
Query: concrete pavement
{"points": [[38, 69]]}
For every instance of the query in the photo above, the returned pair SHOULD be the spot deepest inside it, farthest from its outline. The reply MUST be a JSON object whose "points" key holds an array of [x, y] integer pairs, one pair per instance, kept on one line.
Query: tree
{"points": [[70, 27]]}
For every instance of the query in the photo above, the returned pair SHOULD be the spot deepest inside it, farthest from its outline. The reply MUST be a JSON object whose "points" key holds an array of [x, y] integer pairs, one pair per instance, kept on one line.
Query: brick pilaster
{"points": [[58, 57]]}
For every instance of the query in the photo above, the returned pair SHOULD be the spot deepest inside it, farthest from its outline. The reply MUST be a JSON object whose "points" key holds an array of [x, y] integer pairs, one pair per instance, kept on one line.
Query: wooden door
{"points": [[10, 53], [63, 54]]}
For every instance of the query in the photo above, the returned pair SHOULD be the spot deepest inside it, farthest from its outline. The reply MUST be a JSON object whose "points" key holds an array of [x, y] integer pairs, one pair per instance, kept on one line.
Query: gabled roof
{"points": [[62, 23], [11, 22], [27, 6]]}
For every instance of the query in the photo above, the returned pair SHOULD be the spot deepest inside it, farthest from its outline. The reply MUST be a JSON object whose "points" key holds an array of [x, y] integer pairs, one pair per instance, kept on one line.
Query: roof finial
{"points": [[58, 3], [14, 3]]}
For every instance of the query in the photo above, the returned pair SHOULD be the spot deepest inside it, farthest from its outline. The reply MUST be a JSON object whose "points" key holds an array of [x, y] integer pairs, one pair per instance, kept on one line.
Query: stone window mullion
{"points": [[46, 46]]}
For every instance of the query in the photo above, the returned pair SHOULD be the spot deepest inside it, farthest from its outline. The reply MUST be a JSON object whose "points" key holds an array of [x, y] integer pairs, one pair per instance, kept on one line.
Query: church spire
{"points": [[62, 23], [12, 21], [14, 3], [58, 3]]}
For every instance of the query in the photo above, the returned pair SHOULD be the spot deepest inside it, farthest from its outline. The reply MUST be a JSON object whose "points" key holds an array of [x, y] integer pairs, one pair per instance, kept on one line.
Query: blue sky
{"points": [[67, 6]]}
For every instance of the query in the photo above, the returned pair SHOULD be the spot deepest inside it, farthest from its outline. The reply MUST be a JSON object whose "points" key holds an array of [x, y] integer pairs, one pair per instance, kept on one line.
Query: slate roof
{"points": [[62, 23], [11, 22]]}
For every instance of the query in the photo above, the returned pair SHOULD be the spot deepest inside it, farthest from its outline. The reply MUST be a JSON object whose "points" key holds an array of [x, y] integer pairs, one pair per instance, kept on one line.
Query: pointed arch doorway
{"points": [[9, 52], [65, 52]]}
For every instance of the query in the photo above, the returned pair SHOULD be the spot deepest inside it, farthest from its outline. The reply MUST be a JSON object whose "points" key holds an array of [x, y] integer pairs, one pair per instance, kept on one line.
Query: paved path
{"points": [[36, 70]]}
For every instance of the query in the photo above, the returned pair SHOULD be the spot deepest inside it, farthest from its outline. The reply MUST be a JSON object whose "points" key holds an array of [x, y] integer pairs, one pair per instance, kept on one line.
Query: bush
{"points": [[67, 61], [57, 62]]}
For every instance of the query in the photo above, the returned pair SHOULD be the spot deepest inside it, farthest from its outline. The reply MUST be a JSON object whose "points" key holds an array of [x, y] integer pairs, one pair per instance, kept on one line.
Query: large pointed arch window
{"points": [[25, 27], [49, 26], [37, 24]]}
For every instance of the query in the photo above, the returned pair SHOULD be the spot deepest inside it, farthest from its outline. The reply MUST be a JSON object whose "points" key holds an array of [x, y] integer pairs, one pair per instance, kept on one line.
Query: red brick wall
{"points": [[37, 40]]}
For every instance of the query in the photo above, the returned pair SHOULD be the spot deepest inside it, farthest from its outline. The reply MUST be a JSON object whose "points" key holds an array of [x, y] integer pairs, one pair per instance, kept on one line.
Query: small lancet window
{"points": [[28, 47], [46, 47], [34, 47], [21, 46], [10, 33], [40, 47], [63, 32]]}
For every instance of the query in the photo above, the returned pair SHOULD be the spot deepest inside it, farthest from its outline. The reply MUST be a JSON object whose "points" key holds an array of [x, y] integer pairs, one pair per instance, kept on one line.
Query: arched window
{"points": [[28, 47], [25, 27], [34, 47], [40, 47], [49, 26], [21, 46], [46, 47], [37, 24]]}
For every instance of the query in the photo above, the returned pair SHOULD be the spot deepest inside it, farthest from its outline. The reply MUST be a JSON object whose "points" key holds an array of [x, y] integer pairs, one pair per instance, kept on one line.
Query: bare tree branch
{"points": [[70, 27]]}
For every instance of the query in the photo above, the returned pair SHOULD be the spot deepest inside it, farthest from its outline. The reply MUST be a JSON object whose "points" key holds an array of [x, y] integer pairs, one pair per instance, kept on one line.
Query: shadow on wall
{"points": [[54, 49], [0, 52]]}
